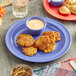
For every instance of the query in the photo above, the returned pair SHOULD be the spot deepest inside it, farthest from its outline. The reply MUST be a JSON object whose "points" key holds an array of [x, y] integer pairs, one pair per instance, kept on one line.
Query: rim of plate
{"points": [[41, 61]]}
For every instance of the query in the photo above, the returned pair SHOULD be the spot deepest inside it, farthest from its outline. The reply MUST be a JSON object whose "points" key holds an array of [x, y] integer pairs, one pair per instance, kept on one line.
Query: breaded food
{"points": [[25, 40], [21, 36], [52, 35], [72, 2], [57, 36], [42, 42], [71, 5], [29, 51], [45, 43], [68, 3], [64, 10], [73, 9], [50, 47]]}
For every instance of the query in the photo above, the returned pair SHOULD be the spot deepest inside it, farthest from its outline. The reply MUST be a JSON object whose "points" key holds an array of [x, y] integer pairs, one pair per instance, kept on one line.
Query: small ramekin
{"points": [[22, 65], [56, 3], [33, 31]]}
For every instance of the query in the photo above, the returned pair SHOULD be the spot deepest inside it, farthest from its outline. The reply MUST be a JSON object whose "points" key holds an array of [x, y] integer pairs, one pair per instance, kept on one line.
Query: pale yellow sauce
{"points": [[35, 24]]}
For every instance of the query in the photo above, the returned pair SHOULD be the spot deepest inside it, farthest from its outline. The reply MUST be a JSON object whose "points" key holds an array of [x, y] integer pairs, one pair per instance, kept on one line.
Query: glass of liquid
{"points": [[20, 8]]}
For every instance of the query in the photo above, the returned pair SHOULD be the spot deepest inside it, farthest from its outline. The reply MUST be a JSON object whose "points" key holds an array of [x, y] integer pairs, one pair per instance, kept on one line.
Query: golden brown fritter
{"points": [[64, 10], [21, 36], [73, 9], [25, 40], [45, 43], [57, 36], [29, 51], [50, 47], [42, 42], [52, 35]]}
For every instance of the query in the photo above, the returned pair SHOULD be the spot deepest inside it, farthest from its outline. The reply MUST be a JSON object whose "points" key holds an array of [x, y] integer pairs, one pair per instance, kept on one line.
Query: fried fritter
{"points": [[73, 9], [45, 43], [25, 40], [52, 35], [21, 36], [42, 42], [29, 51], [50, 47], [57, 36], [64, 10]]}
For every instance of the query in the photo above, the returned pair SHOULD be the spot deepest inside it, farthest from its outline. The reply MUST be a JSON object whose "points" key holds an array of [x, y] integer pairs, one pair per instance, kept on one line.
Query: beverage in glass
{"points": [[20, 8]]}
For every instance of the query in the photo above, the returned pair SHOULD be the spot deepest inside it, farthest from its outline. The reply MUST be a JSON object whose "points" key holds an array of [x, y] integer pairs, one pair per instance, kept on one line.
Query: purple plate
{"points": [[52, 25]]}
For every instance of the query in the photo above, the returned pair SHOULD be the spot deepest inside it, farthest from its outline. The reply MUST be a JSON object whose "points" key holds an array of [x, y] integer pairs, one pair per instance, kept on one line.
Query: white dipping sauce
{"points": [[35, 24]]}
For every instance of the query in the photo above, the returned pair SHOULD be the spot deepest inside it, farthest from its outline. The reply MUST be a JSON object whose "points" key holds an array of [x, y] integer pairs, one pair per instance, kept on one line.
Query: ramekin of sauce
{"points": [[35, 25], [22, 70], [56, 2]]}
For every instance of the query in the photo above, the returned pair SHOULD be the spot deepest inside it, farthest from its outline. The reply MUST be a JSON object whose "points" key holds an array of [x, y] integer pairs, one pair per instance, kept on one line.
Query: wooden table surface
{"points": [[7, 60]]}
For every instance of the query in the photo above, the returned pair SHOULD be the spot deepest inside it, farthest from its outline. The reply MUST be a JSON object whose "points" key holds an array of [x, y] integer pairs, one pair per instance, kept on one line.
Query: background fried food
{"points": [[25, 40], [64, 10], [71, 5], [42, 42], [52, 35], [67, 4], [73, 9], [71, 2], [29, 51]]}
